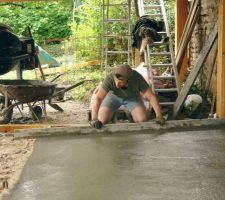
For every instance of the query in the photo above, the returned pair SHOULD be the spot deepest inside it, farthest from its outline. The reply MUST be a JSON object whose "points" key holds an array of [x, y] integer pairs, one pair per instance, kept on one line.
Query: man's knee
{"points": [[105, 115], [140, 114], [142, 118]]}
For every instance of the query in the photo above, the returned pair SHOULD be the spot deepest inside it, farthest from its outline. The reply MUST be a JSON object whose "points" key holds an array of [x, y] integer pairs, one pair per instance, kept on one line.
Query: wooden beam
{"points": [[181, 15], [187, 33], [181, 10], [211, 67], [194, 73], [220, 102]]}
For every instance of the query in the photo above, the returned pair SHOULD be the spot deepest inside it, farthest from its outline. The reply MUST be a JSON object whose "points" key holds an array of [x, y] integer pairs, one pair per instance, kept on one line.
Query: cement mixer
{"points": [[20, 53], [15, 51]]}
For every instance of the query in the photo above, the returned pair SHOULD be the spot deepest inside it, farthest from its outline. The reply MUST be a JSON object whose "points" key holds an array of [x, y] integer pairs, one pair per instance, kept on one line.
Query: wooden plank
{"points": [[189, 21], [220, 100], [11, 128], [211, 67], [184, 44], [186, 35], [194, 73], [181, 19]]}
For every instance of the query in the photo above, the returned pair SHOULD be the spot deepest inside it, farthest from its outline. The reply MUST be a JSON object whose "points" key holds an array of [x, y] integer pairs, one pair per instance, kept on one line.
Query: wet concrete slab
{"points": [[168, 166]]}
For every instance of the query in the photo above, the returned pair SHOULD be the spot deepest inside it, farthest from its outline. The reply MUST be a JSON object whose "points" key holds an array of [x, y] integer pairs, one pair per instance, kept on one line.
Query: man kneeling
{"points": [[123, 87]]}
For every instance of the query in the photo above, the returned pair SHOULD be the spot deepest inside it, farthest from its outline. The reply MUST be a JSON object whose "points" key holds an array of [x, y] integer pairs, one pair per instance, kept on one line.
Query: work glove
{"points": [[160, 120], [96, 124]]}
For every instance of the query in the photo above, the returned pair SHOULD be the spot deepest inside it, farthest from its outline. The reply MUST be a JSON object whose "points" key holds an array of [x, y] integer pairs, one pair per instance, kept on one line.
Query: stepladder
{"points": [[157, 54], [116, 34]]}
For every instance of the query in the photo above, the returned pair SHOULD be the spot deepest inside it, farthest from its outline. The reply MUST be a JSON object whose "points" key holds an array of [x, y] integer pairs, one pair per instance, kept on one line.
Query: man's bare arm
{"points": [[154, 102], [100, 95]]}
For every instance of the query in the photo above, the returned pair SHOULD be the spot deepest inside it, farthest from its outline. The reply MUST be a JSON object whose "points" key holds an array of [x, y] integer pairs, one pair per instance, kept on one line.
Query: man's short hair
{"points": [[123, 72]]}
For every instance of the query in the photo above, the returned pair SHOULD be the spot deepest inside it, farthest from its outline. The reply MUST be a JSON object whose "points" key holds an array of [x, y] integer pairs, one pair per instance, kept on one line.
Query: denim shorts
{"points": [[113, 102]]}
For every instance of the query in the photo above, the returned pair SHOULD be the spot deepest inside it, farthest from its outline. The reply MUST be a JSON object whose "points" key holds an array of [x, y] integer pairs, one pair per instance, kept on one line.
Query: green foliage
{"points": [[46, 19], [85, 41], [54, 20], [69, 77], [170, 6], [84, 91]]}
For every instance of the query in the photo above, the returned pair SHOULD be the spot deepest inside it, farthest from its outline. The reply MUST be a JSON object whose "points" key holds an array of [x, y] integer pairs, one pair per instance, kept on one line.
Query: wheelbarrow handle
{"points": [[56, 78], [70, 87]]}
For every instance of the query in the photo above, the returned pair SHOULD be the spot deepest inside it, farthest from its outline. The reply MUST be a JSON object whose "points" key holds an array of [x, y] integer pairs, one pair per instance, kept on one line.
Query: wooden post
{"points": [[181, 18], [137, 58], [220, 103], [195, 71]]}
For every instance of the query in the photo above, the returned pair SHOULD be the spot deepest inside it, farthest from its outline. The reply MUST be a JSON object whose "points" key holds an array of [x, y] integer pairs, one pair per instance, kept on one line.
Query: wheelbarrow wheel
{"points": [[37, 112], [5, 117]]}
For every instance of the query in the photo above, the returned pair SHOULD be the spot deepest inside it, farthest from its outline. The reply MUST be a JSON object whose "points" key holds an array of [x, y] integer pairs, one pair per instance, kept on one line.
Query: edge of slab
{"points": [[85, 129]]}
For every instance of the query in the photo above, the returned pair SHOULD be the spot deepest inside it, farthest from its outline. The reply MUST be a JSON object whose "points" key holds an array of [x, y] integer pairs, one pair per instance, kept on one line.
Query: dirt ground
{"points": [[15, 153]]}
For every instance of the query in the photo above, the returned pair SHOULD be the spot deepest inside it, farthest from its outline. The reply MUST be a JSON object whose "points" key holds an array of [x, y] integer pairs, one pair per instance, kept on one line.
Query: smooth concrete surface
{"points": [[168, 166]]}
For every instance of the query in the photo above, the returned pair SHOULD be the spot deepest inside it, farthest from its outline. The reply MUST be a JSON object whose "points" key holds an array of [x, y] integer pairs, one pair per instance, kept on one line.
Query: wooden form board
{"points": [[194, 73], [12, 128], [187, 33], [220, 100]]}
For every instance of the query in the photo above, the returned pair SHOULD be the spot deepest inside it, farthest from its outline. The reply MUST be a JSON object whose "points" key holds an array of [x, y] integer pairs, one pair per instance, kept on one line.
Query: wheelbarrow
{"points": [[18, 92]]}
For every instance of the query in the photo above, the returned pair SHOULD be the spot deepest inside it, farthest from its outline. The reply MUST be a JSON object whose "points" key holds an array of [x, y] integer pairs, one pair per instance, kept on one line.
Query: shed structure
{"points": [[211, 11]]}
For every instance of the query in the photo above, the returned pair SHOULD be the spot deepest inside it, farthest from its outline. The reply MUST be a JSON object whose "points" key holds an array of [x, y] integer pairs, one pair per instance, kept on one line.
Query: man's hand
{"points": [[160, 120], [96, 123]]}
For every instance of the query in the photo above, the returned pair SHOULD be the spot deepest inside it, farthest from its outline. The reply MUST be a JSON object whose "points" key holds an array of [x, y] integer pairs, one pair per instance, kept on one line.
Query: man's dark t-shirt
{"points": [[136, 85]]}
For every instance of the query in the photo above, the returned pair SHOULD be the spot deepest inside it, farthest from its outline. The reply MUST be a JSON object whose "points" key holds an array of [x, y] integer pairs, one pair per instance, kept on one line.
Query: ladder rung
{"points": [[117, 52], [163, 77], [159, 43], [117, 35], [162, 65], [153, 15], [111, 68], [166, 103], [124, 4], [166, 90], [162, 33], [149, 7], [117, 20], [160, 54]]}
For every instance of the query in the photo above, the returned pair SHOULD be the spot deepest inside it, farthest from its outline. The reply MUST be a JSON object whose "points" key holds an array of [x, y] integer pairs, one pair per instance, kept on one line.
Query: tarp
{"points": [[46, 58]]}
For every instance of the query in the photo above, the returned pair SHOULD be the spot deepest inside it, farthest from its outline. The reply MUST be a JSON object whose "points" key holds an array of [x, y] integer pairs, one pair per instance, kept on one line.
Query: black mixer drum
{"points": [[10, 46]]}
